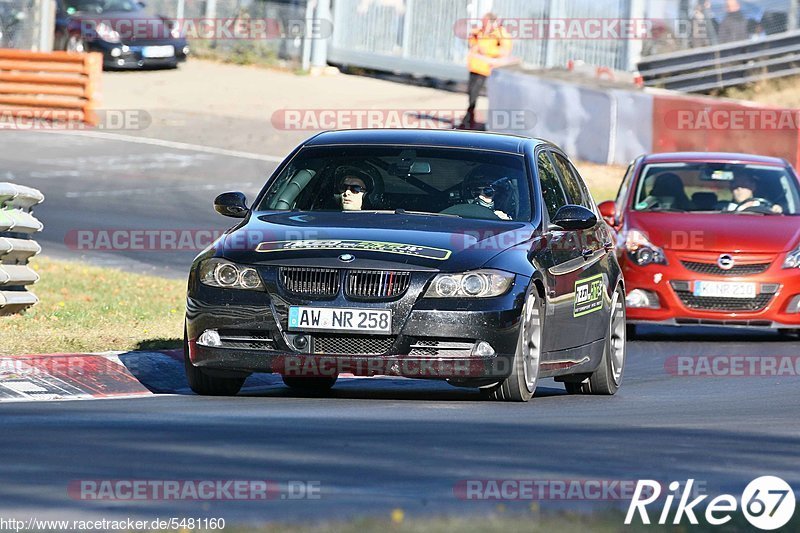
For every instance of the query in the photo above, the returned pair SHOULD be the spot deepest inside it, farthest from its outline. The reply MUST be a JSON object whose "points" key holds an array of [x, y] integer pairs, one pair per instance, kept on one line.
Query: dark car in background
{"points": [[127, 35], [475, 258]]}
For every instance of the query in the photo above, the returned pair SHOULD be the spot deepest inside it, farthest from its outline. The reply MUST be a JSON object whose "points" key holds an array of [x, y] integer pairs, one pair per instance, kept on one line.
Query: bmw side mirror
{"points": [[231, 204], [608, 210], [574, 217]]}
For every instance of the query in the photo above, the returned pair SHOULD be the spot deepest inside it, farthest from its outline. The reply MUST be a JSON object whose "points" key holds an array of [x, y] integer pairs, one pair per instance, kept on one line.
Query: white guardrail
{"points": [[17, 227]]}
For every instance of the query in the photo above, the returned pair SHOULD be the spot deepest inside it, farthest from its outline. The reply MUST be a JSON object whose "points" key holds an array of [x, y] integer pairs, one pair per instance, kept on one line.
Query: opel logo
{"points": [[347, 258], [725, 262]]}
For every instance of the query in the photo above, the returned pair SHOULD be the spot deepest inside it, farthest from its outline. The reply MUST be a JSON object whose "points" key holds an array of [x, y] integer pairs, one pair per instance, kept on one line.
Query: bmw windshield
{"points": [[430, 181]]}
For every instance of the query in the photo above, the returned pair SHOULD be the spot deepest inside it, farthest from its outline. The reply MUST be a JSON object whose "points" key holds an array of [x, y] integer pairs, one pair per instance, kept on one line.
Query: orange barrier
{"points": [[57, 86]]}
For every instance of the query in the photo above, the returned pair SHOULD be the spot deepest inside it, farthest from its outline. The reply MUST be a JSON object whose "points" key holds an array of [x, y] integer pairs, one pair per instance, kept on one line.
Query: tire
{"points": [[318, 384], [521, 384], [205, 385], [608, 376], [630, 331]]}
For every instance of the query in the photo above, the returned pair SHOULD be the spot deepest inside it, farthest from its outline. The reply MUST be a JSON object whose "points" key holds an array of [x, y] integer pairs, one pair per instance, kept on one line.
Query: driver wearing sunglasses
{"points": [[483, 195]]}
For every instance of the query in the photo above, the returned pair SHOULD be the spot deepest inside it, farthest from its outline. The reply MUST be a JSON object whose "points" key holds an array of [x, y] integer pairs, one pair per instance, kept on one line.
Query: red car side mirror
{"points": [[608, 211]]}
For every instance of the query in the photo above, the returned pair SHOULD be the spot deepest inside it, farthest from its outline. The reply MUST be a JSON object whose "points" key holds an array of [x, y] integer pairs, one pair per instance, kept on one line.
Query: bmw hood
{"points": [[365, 239]]}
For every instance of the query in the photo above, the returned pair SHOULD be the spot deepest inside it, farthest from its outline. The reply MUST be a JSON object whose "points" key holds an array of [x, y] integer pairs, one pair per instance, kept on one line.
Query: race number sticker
{"points": [[588, 295]]}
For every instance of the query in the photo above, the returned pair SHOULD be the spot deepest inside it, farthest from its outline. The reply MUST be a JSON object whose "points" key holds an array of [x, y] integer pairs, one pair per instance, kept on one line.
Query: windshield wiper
{"points": [[668, 209], [424, 213]]}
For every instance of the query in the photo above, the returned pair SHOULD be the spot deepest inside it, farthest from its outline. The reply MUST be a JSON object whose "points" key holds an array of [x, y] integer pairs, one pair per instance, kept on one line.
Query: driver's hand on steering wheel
{"points": [[501, 215], [775, 208]]}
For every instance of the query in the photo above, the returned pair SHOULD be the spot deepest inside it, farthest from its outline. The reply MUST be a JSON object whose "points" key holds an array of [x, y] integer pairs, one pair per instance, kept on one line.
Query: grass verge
{"points": [[603, 180], [90, 309]]}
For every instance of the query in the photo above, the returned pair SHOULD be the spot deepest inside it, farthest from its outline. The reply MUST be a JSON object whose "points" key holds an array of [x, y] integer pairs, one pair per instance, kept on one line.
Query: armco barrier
{"points": [[59, 86], [17, 227]]}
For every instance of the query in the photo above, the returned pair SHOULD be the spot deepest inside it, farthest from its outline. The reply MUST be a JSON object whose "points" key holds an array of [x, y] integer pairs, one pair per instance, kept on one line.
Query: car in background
{"points": [[698, 247], [418, 253], [122, 30]]}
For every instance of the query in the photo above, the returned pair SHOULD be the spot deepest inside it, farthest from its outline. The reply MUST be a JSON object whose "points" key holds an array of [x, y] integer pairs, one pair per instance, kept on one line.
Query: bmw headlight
{"points": [[217, 272], [641, 251], [792, 259], [475, 284], [106, 32]]}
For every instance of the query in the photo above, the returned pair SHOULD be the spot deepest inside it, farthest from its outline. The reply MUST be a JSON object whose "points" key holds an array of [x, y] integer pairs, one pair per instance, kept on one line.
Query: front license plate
{"points": [[340, 319], [155, 52], [723, 289]]}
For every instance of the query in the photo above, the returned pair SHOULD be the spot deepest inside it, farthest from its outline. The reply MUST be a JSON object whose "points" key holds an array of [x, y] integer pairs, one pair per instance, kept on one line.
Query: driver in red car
{"points": [[742, 188]]}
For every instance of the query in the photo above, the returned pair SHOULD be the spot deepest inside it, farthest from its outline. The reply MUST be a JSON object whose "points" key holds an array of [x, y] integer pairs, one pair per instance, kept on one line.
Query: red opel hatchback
{"points": [[709, 239]]}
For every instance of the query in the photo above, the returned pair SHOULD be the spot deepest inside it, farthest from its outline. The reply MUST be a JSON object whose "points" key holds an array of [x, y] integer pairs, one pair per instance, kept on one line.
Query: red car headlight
{"points": [[641, 251]]}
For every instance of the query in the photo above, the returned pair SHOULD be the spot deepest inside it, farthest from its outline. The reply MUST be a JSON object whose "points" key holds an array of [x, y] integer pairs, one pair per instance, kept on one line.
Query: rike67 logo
{"points": [[767, 502]]}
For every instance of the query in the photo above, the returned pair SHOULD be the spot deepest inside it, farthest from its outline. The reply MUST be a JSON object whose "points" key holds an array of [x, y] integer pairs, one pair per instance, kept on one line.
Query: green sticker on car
{"points": [[588, 295], [426, 252]]}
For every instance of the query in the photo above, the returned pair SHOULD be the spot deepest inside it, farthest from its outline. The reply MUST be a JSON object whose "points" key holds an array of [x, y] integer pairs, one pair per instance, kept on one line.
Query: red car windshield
{"points": [[717, 188]]}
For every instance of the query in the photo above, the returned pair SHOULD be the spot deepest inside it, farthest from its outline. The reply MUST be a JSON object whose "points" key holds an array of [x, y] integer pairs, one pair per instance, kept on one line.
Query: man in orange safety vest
{"points": [[489, 45]]}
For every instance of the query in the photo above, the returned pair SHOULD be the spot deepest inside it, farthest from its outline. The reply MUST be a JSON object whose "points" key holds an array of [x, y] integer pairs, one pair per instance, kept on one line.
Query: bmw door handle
{"points": [[587, 253], [608, 246]]}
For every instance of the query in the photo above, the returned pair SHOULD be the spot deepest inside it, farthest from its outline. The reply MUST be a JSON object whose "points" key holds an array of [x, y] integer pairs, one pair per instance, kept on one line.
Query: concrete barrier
{"points": [[591, 122], [612, 124]]}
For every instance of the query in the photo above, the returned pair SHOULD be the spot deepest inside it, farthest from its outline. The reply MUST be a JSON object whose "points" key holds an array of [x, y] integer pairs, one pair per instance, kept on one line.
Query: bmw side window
{"points": [[572, 187], [587, 196], [552, 192]]}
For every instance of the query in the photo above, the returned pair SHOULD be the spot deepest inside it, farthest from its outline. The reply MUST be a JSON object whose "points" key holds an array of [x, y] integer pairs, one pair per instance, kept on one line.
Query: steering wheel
{"points": [[764, 205]]}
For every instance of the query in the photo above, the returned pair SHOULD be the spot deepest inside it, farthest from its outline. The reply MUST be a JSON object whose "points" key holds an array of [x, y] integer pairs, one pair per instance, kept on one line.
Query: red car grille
{"points": [[715, 270], [712, 303]]}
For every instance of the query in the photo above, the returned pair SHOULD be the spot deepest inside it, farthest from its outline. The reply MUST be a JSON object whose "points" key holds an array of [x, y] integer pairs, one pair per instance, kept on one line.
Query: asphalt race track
{"points": [[374, 444]]}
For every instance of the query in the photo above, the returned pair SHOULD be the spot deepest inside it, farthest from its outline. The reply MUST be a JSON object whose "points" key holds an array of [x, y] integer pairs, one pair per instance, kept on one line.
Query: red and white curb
{"points": [[67, 377], [91, 376]]}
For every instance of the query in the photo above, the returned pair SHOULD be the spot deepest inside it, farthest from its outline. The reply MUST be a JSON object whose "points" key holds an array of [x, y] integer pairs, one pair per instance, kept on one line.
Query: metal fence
{"points": [[284, 12], [418, 37], [17, 227], [20, 23]]}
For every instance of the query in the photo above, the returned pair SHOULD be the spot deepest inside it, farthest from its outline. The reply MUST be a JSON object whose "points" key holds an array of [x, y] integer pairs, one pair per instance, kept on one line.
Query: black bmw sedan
{"points": [[122, 30], [475, 258]]}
